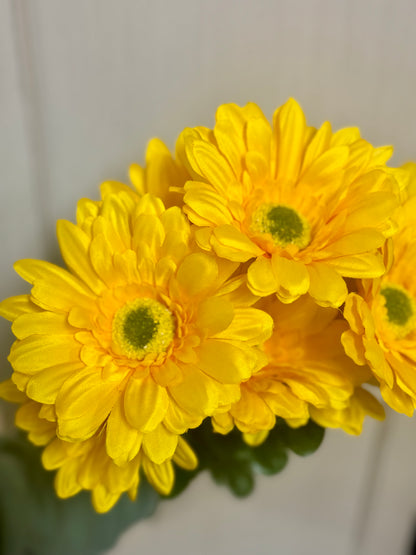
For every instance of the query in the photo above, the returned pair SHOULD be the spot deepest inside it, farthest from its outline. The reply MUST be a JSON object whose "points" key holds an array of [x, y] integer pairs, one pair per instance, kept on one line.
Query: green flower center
{"points": [[399, 307], [283, 223], [143, 326]]}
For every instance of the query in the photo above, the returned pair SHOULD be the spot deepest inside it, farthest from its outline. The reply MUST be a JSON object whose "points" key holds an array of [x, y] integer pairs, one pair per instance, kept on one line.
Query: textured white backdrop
{"points": [[85, 84]]}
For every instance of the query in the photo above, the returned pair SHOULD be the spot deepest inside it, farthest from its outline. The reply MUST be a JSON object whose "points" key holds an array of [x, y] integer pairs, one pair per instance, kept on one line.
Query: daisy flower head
{"points": [[307, 374], [138, 340], [382, 316], [305, 207]]}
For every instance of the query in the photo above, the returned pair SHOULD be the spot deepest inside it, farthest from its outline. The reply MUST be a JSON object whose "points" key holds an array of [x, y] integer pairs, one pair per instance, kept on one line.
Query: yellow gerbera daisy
{"points": [[141, 338], [307, 368], [307, 207], [382, 316]]}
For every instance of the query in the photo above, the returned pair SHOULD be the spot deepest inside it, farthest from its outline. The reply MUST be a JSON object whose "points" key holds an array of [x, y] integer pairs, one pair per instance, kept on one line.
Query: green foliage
{"points": [[234, 463]]}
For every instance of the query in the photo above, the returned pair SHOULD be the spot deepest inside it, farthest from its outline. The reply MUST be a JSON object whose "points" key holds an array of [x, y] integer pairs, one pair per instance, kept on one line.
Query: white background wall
{"points": [[85, 83]]}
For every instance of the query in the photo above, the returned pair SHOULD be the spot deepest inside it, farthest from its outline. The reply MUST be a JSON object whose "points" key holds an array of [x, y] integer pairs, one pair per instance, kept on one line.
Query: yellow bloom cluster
{"points": [[264, 271]]}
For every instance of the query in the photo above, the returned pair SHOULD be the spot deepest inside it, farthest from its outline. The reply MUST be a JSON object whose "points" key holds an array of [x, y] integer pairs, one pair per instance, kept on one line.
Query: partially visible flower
{"points": [[382, 317], [161, 176], [306, 207], [139, 340], [351, 419], [307, 371], [86, 464]]}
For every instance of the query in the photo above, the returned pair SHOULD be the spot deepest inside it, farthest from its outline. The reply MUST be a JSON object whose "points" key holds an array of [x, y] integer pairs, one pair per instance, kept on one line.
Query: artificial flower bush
{"points": [[257, 281]]}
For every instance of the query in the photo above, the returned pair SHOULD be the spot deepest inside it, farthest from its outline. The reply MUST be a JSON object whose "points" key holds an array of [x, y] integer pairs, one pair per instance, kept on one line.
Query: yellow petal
{"points": [[58, 452], [250, 325], [254, 440], [345, 136], [211, 165], [397, 399], [369, 403], [66, 483], [214, 315], [258, 136], [257, 167], [102, 499], [292, 278], [197, 273], [328, 164], [136, 175], [184, 456], [116, 214], [84, 403], [53, 287], [9, 392], [74, 244], [290, 126], [226, 362], [205, 206], [160, 444], [13, 307], [222, 423], [167, 374], [318, 145], [228, 242], [357, 242], [122, 441], [149, 204], [353, 346], [371, 210], [261, 278], [326, 286], [160, 476], [101, 255], [145, 404], [41, 323], [148, 229], [229, 131], [251, 413], [87, 210], [283, 402], [115, 188], [38, 352], [360, 266], [45, 385], [196, 396]]}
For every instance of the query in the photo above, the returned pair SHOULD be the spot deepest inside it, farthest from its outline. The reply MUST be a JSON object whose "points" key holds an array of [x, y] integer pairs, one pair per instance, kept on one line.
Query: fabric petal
{"points": [[145, 404], [160, 444], [327, 287], [122, 441], [84, 403], [292, 278], [261, 278]]}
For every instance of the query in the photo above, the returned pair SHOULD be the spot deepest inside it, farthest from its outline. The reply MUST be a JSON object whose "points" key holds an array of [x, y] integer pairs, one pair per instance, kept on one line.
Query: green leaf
{"points": [[33, 521], [304, 440], [234, 463]]}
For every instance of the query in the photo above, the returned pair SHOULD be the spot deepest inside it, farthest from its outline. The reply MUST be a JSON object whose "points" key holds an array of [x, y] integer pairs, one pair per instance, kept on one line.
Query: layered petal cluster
{"points": [[162, 176], [308, 375], [140, 339], [86, 465], [306, 207], [215, 288], [382, 317]]}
